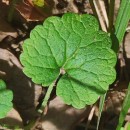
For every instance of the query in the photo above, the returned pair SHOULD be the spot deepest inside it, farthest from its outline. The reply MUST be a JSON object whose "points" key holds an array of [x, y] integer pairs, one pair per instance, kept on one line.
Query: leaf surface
{"points": [[6, 97], [75, 44]]}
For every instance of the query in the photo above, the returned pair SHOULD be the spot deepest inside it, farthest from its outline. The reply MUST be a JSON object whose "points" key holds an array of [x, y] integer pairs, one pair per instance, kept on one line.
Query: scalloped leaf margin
{"points": [[74, 44]]}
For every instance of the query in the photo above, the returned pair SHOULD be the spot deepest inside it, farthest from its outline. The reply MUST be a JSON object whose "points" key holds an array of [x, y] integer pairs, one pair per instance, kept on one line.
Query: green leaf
{"points": [[74, 44], [6, 97]]}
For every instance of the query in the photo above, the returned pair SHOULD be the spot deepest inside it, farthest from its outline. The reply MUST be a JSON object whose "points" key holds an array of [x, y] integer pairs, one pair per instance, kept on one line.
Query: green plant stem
{"points": [[41, 110], [111, 15], [47, 96], [11, 10], [125, 107]]}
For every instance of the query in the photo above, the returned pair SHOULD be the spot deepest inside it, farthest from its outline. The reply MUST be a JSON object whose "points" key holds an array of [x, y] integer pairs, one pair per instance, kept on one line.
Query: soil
{"points": [[28, 96]]}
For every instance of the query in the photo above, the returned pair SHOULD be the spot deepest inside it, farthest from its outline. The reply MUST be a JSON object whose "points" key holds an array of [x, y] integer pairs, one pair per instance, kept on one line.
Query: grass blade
{"points": [[121, 24], [122, 19], [11, 10], [101, 104], [125, 107], [111, 14]]}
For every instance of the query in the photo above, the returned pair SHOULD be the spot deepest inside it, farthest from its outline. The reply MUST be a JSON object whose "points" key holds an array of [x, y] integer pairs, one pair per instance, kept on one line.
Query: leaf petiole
{"points": [[47, 96]]}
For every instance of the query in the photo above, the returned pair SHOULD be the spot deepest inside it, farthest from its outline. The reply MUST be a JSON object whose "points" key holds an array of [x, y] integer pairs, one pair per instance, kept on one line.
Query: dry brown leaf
{"points": [[5, 28], [31, 12]]}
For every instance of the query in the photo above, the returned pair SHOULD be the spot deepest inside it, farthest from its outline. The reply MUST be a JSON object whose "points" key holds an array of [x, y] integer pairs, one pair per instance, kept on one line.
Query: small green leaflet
{"points": [[6, 97], [75, 44], [39, 3]]}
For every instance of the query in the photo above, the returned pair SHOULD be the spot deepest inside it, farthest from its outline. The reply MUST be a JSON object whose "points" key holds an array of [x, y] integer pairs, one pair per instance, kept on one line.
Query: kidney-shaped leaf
{"points": [[6, 97], [75, 44]]}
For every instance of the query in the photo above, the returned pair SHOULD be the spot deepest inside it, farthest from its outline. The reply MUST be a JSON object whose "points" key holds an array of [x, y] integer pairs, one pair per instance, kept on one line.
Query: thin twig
{"points": [[90, 116], [102, 24], [103, 10], [93, 8]]}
